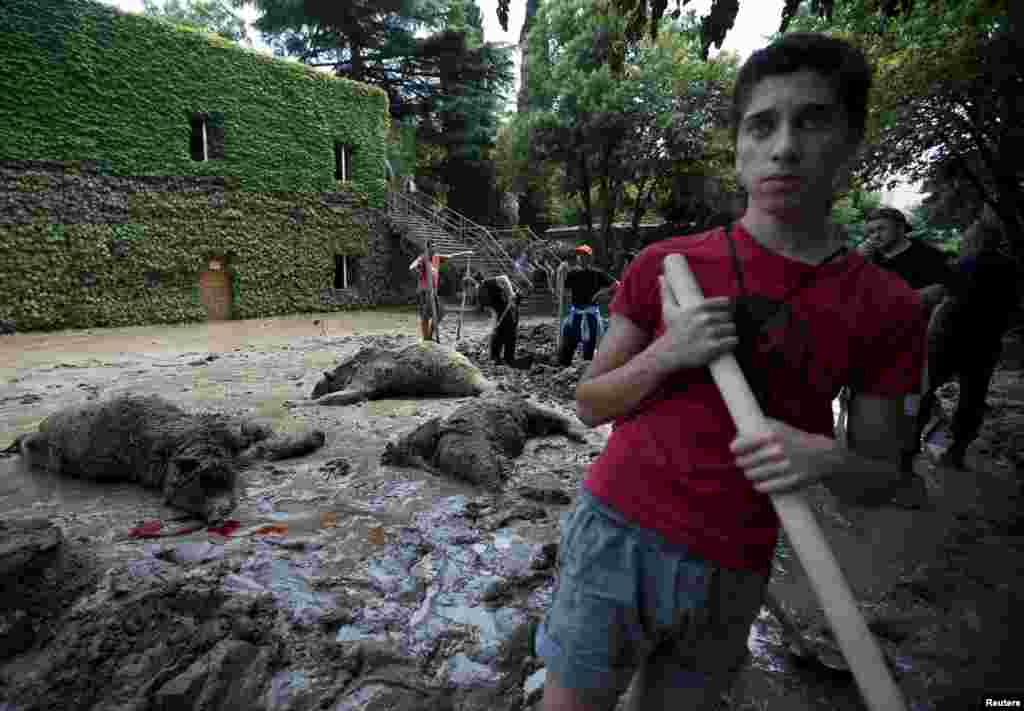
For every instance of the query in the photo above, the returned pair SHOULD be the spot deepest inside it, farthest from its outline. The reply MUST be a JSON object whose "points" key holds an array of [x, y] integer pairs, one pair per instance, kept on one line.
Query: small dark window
{"points": [[118, 248], [342, 162], [214, 135], [197, 143], [346, 271], [151, 279], [87, 279], [206, 139]]}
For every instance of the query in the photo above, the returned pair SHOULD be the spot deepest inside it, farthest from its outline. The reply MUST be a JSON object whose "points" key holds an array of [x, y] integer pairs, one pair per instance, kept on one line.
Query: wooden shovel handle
{"points": [[855, 640]]}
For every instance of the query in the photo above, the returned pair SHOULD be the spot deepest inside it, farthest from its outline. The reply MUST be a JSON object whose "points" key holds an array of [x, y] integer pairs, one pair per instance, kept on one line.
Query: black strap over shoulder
{"points": [[737, 266]]}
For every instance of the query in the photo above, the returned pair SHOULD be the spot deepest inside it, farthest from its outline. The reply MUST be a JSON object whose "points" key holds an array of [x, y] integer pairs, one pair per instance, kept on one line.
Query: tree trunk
{"points": [[608, 220], [585, 194], [358, 67], [638, 211]]}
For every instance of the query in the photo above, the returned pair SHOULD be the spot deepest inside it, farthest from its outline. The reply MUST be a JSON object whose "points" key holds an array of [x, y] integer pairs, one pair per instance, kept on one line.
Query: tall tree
{"points": [[609, 132], [948, 104], [533, 202], [373, 41], [430, 58], [211, 15], [474, 77]]}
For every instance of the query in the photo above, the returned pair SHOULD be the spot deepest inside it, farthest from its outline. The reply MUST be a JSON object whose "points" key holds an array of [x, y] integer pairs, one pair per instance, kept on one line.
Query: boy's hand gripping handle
{"points": [[855, 640]]}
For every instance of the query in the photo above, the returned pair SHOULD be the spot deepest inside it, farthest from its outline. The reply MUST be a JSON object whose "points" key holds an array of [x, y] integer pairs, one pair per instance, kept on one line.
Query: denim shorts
{"points": [[423, 305], [627, 597]]}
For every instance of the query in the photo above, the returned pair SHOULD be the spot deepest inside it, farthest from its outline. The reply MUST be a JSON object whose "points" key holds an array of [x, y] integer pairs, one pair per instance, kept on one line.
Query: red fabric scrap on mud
{"points": [[149, 529], [226, 528]]}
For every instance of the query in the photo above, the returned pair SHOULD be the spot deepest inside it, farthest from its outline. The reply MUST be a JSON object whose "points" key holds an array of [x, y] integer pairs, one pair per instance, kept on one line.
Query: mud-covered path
{"points": [[447, 578]]}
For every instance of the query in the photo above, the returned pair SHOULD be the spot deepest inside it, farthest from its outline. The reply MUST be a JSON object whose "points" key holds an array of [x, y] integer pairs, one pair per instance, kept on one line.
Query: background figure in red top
{"points": [[664, 559], [423, 291]]}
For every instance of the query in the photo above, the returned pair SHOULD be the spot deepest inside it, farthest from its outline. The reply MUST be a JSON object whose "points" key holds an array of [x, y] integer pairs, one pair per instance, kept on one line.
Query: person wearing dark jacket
{"points": [[965, 340], [926, 269]]}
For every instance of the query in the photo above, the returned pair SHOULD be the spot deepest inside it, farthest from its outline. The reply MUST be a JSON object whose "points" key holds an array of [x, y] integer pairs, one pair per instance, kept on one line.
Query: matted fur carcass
{"points": [[193, 459], [477, 442], [420, 369]]}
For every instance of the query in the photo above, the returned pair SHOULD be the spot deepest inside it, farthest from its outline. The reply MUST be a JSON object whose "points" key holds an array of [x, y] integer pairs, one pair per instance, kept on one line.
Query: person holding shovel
{"points": [[498, 294], [664, 558], [423, 291]]}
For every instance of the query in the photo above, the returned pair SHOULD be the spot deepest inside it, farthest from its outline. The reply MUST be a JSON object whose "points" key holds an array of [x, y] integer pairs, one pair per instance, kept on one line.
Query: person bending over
{"points": [[500, 296]]}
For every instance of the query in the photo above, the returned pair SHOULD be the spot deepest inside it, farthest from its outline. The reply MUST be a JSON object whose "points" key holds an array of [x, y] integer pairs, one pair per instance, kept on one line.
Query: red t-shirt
{"points": [[435, 263], [667, 465]]}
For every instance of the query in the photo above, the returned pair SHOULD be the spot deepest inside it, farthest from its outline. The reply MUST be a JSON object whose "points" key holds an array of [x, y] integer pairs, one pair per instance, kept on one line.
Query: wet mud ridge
{"points": [[405, 563]]}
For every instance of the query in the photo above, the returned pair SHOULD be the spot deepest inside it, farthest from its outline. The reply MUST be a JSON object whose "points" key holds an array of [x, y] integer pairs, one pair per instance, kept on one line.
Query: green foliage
{"points": [[948, 102], [948, 239], [277, 263], [627, 133], [402, 148], [430, 57], [82, 81], [849, 212], [211, 15]]}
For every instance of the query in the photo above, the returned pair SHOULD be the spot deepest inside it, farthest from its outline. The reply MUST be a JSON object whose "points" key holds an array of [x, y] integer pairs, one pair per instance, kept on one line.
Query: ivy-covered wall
{"points": [[106, 219]]}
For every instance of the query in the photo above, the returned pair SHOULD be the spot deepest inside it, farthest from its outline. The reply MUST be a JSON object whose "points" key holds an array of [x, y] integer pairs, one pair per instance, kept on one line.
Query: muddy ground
{"points": [[343, 571]]}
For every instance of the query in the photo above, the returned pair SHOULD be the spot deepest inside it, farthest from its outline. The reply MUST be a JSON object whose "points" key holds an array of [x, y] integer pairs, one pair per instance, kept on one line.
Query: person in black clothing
{"points": [[499, 295], [922, 266], [927, 270], [585, 285], [965, 340]]}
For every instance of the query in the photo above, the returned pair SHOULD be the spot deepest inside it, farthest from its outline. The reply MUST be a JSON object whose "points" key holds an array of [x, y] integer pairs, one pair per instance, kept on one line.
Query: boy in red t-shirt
{"points": [[664, 559]]}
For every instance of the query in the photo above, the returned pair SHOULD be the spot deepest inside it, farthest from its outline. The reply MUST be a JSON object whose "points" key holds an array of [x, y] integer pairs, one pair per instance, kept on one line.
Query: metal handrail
{"points": [[534, 241], [454, 223]]}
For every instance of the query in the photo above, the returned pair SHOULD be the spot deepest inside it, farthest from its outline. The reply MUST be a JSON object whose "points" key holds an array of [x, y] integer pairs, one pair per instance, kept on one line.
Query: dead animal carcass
{"points": [[476, 442], [193, 459], [420, 369]]}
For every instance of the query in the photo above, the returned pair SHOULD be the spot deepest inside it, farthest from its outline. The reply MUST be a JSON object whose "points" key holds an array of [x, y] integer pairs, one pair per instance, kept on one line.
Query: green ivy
{"points": [[84, 82], [277, 263]]}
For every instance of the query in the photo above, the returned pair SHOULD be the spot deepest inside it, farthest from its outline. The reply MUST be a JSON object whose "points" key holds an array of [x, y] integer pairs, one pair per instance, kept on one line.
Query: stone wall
{"points": [[384, 278], [81, 247]]}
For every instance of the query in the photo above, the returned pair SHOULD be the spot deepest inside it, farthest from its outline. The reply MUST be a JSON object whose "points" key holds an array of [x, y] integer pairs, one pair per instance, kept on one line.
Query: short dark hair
{"points": [[839, 62], [888, 213]]}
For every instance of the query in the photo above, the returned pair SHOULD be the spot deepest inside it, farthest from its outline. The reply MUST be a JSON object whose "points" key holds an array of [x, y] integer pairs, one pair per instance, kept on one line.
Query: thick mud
{"points": [[351, 584]]}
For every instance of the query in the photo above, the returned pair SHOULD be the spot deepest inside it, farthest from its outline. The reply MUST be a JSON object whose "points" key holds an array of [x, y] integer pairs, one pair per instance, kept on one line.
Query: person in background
{"points": [[500, 296], [965, 340], [926, 269], [586, 286], [419, 265]]}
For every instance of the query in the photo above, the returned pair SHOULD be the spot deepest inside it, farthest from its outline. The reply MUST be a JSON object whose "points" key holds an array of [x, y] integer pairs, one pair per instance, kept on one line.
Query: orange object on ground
{"points": [[272, 529]]}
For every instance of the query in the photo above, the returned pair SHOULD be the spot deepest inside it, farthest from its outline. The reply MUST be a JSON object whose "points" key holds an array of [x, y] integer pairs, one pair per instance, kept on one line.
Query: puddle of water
{"points": [[91, 346], [393, 408]]}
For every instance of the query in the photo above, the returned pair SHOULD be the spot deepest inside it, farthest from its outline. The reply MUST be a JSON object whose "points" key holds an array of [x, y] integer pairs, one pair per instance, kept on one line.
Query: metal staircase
{"points": [[418, 218]]}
